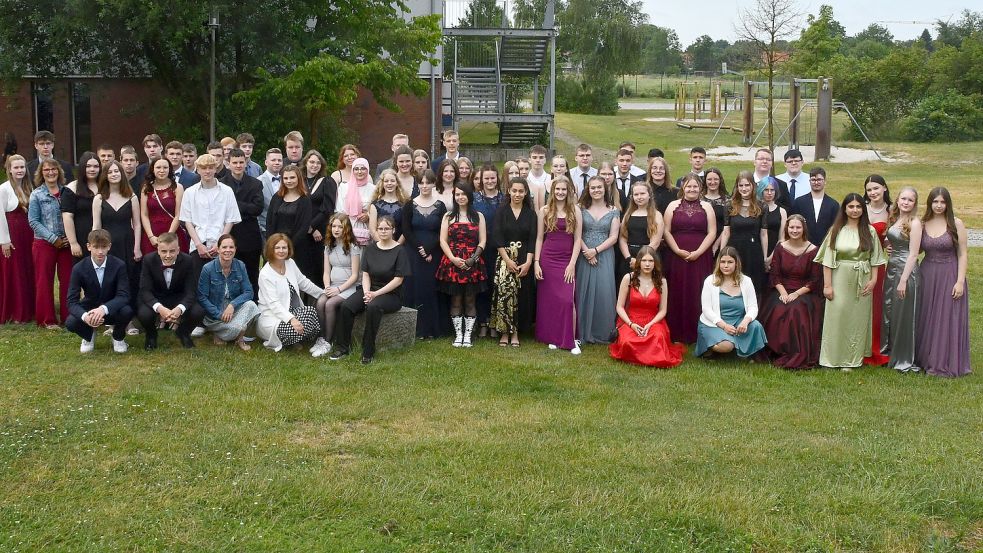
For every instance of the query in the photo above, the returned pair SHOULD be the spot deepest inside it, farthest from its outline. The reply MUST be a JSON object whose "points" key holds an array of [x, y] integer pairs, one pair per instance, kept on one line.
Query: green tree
{"points": [[702, 54], [876, 33], [661, 52], [271, 70], [926, 40], [818, 42], [953, 34]]}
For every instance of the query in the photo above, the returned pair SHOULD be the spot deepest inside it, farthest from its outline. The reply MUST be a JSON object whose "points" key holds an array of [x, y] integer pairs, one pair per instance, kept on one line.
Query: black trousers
{"points": [[148, 319], [355, 304], [251, 259], [118, 319]]}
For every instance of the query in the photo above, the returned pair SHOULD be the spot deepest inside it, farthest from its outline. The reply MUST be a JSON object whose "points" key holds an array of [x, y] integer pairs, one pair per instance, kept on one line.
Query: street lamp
{"points": [[213, 25]]}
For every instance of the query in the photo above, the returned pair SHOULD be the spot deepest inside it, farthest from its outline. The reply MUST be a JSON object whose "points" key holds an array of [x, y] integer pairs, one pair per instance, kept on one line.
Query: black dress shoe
{"points": [[150, 343], [338, 354], [186, 341], [366, 360]]}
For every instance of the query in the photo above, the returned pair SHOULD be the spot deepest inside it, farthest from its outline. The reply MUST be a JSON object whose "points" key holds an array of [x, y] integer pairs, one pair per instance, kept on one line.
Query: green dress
{"points": [[847, 320]]}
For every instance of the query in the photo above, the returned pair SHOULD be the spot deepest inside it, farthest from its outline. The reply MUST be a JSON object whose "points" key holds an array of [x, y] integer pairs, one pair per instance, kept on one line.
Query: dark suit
{"points": [[249, 241], [85, 294], [188, 178], [182, 291], [827, 216], [32, 168]]}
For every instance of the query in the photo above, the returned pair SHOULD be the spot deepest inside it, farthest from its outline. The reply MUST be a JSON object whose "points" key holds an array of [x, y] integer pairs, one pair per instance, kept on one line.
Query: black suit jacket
{"points": [[249, 197], [153, 288], [624, 193], [827, 216], [85, 293], [32, 167]]}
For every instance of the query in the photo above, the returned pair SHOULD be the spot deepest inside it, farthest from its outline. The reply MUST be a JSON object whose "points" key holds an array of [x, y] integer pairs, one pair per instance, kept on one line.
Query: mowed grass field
{"points": [[487, 449]]}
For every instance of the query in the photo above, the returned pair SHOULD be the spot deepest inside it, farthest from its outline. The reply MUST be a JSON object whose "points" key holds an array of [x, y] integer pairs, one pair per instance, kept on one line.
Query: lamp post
{"points": [[213, 28]]}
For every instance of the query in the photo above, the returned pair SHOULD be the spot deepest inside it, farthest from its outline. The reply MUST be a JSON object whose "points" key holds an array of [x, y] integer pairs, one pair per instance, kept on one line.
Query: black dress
{"points": [[119, 225], [81, 208], [392, 209], [745, 237], [773, 224], [720, 207], [323, 192], [664, 196], [293, 219], [421, 227]]}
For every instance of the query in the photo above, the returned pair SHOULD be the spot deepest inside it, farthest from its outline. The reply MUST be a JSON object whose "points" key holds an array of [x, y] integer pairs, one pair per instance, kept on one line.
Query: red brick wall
{"points": [[376, 125]]}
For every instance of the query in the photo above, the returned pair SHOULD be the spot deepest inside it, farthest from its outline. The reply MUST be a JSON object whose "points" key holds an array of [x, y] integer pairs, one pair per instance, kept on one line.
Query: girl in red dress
{"points": [[878, 199], [160, 205], [643, 336], [461, 272], [16, 266]]}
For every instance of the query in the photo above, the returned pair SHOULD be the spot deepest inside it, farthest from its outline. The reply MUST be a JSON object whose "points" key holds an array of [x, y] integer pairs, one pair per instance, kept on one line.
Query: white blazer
{"points": [[710, 300], [8, 203], [274, 299]]}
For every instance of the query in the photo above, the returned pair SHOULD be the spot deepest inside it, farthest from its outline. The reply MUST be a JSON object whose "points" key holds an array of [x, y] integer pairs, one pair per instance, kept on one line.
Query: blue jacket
{"points": [[212, 285], [44, 214]]}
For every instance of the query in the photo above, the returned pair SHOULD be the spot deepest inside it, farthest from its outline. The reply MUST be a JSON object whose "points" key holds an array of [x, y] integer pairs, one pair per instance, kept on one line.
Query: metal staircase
{"points": [[523, 55], [476, 90]]}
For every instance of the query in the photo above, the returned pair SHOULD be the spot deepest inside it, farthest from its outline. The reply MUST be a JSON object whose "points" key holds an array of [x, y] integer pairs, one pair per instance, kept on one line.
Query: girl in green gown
{"points": [[848, 255]]}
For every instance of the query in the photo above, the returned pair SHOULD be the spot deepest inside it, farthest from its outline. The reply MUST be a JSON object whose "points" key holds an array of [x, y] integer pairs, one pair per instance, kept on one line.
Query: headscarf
{"points": [[353, 200]]}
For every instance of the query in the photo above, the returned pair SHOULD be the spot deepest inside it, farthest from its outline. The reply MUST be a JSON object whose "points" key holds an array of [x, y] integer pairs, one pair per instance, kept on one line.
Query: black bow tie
{"points": [[275, 179]]}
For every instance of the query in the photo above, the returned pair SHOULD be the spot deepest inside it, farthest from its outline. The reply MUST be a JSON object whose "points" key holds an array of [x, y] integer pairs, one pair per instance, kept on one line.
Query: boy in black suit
{"points": [[168, 288], [98, 294]]}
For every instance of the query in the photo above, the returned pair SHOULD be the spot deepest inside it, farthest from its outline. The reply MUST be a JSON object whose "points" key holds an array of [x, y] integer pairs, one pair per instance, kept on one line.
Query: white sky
{"points": [[717, 17]]}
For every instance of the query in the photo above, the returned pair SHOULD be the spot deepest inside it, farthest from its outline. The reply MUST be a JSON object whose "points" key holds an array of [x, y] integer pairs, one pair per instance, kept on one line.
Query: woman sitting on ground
{"points": [[226, 296], [730, 307]]}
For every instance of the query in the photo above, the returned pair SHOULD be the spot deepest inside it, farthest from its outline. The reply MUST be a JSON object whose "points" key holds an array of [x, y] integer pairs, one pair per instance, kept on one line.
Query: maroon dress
{"points": [[462, 238], [17, 273], [684, 279], [795, 329], [161, 210]]}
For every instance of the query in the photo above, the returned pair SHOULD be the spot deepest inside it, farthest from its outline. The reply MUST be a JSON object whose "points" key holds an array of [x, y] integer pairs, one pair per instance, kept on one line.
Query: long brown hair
{"points": [[341, 154], [301, 187], [611, 194], [150, 179], [718, 277], [569, 209], [586, 201], [895, 213], [652, 212], [636, 270], [863, 225], [23, 188], [737, 202], [347, 235], [950, 218], [125, 189]]}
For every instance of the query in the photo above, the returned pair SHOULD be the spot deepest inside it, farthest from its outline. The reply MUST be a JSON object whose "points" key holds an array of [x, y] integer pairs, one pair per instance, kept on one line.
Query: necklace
{"points": [[876, 211]]}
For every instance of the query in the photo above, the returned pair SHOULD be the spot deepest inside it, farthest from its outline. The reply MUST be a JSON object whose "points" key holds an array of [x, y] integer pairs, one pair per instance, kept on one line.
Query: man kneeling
{"points": [[98, 294], [168, 288]]}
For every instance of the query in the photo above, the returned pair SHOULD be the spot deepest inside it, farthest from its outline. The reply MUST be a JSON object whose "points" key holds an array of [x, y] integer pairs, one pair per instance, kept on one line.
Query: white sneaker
{"points": [[317, 344], [119, 346], [321, 348], [551, 346], [87, 346], [248, 339], [576, 347], [198, 332]]}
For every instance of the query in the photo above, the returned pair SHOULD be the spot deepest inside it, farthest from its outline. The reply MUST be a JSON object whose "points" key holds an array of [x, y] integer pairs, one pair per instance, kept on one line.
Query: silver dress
{"points": [[898, 324]]}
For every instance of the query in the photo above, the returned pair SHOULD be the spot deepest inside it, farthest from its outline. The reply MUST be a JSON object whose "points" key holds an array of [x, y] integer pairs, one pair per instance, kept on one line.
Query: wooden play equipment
{"points": [[704, 105]]}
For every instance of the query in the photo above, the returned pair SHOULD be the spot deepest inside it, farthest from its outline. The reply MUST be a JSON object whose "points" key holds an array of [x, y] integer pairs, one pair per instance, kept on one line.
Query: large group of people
{"points": [[775, 270]]}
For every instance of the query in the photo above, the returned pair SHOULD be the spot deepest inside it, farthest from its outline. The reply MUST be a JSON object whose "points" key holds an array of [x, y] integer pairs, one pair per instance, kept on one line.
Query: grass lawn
{"points": [[488, 449], [956, 166]]}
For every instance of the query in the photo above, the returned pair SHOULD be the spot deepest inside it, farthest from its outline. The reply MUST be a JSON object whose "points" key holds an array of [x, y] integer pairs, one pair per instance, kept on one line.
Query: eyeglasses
{"points": [[49, 170], [816, 179], [384, 229]]}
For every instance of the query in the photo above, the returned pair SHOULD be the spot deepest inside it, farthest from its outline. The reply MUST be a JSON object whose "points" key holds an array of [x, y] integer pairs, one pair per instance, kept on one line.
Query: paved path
{"points": [[975, 237]]}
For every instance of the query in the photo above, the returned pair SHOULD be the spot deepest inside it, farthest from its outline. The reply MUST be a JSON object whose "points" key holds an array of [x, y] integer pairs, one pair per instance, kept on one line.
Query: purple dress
{"points": [[555, 299], [942, 339], [684, 279]]}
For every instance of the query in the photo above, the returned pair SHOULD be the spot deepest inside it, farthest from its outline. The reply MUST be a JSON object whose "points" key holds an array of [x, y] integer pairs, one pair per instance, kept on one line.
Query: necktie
{"points": [[624, 188], [791, 188], [584, 175]]}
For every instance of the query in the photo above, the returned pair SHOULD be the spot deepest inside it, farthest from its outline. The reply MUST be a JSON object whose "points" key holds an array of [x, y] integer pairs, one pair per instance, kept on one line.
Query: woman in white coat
{"points": [[284, 320], [730, 308]]}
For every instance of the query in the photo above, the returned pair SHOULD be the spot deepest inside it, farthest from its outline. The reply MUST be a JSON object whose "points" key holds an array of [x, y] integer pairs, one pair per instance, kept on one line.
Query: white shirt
{"points": [[209, 210], [101, 274], [636, 171], [816, 204], [578, 177], [801, 184], [538, 181], [168, 275]]}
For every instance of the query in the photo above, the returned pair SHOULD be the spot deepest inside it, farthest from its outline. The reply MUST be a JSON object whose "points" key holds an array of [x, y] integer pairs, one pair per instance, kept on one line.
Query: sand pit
{"points": [[836, 154]]}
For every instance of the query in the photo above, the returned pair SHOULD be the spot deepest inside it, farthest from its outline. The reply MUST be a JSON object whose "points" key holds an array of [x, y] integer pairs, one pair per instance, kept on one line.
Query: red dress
{"points": [[794, 329], [161, 210], [654, 349], [462, 238], [877, 358], [17, 272]]}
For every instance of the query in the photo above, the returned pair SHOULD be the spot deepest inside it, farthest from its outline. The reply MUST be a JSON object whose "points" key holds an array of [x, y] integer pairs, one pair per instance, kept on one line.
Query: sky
{"points": [[717, 17]]}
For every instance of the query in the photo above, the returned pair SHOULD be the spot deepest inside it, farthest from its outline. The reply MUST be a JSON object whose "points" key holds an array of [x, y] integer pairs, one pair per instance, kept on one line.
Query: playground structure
{"points": [[810, 112]]}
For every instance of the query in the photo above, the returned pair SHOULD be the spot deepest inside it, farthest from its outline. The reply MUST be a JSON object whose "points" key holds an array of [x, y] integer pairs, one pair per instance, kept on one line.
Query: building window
{"points": [[81, 118], [44, 108]]}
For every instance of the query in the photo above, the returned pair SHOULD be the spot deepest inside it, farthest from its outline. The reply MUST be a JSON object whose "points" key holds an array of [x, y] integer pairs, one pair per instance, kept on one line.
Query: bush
{"points": [[595, 97], [946, 117]]}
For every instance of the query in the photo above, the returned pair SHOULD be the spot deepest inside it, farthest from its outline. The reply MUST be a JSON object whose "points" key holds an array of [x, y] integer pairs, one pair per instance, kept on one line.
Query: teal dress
{"points": [[732, 312]]}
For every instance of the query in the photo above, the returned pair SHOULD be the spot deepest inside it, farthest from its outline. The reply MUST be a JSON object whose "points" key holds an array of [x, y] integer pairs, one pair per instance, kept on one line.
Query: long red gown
{"points": [[654, 349], [877, 358], [17, 272]]}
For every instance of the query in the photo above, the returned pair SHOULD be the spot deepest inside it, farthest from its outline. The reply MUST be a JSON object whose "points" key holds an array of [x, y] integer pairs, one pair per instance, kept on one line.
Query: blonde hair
{"points": [[651, 211], [895, 213], [206, 160], [569, 208], [380, 191], [718, 277]]}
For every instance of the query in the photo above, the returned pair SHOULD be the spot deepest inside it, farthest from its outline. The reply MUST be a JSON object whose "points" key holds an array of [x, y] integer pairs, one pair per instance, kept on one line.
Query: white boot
{"points": [[468, 328], [458, 323]]}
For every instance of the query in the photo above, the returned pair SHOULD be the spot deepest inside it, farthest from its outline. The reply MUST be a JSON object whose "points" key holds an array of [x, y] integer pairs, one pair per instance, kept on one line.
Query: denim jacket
{"points": [[44, 214], [212, 285]]}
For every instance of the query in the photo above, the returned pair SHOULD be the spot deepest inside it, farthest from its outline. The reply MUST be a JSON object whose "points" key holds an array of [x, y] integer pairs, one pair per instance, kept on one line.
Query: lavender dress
{"points": [[555, 298], [942, 339]]}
